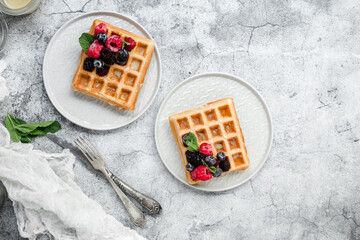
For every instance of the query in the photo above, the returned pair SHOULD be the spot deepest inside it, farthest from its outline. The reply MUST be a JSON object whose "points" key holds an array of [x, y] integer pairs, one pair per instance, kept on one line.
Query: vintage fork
{"points": [[95, 159]]}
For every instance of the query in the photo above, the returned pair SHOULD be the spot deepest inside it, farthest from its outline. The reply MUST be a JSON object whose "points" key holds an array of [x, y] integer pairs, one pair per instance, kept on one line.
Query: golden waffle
{"points": [[121, 86], [215, 123]]}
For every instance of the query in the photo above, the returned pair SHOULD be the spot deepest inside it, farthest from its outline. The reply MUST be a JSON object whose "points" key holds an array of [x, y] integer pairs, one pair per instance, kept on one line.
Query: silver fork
{"points": [[95, 159]]}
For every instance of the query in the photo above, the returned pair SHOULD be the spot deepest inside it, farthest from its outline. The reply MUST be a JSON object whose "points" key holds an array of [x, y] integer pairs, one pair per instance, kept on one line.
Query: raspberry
{"points": [[100, 28], [201, 173], [225, 165], [114, 43], [206, 149], [131, 45], [88, 64], [102, 71], [95, 49]]}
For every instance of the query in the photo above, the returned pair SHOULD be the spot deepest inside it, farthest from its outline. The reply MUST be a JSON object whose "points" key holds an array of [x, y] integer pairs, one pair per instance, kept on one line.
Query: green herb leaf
{"points": [[21, 131], [29, 128], [10, 123], [26, 139], [212, 169], [86, 40], [192, 143]]}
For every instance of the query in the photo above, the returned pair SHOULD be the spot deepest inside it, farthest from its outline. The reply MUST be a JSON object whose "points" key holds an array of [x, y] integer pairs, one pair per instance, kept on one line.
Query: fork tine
{"points": [[84, 150], [92, 147]]}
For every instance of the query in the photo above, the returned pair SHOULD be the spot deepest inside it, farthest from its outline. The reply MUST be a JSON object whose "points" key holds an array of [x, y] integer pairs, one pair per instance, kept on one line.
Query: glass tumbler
{"points": [[16, 8]]}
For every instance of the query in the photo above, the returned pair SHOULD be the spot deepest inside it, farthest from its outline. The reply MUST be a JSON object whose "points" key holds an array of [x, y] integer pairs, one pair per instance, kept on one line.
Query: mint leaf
{"points": [[25, 139], [192, 143], [86, 40], [28, 128], [21, 131], [212, 168], [10, 123]]}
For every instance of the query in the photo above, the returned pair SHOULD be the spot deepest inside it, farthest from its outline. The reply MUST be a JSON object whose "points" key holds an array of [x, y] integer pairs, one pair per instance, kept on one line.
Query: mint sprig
{"points": [[192, 142], [212, 168], [86, 40], [19, 130]]}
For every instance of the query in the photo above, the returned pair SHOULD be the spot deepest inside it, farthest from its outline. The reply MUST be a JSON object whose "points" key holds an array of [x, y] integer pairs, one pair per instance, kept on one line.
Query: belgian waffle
{"points": [[215, 123], [121, 86]]}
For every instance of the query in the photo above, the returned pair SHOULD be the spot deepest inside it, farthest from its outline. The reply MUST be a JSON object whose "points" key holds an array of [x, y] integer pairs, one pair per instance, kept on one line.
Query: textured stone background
{"points": [[303, 57]]}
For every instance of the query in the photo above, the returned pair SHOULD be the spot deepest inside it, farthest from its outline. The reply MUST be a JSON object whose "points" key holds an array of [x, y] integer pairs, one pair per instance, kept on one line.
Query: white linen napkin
{"points": [[46, 198]]}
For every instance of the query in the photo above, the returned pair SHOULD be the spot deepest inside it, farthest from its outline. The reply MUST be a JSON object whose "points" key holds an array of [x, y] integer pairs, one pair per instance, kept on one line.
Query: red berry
{"points": [[114, 43], [201, 173], [100, 28], [131, 45], [206, 149], [94, 50]]}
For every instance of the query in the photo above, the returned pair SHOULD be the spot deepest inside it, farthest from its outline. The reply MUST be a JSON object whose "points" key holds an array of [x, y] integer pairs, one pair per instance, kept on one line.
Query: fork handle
{"points": [[136, 215], [151, 205]]}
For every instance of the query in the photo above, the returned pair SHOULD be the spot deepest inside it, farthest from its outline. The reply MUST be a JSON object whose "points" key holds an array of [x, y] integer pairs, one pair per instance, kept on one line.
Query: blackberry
{"points": [[217, 173], [101, 37], [193, 158], [224, 165], [189, 167], [88, 64], [102, 71], [221, 156], [105, 53], [210, 161], [184, 139], [111, 60]]}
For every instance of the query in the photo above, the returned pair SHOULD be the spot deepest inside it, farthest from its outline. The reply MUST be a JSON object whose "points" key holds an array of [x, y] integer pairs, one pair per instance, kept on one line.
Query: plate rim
{"points": [[249, 86], [59, 108]]}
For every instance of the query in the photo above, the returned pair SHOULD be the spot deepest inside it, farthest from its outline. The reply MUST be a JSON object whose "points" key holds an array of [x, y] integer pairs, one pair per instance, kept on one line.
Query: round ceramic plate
{"points": [[253, 114], [61, 60]]}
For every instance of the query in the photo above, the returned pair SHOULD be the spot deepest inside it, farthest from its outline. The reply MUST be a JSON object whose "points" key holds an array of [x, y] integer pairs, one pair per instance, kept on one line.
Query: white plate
{"points": [[251, 109], [61, 59]]}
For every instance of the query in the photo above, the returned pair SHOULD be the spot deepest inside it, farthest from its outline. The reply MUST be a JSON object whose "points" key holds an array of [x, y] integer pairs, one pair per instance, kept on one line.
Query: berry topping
{"points": [[88, 64], [217, 163], [210, 161], [98, 63], [221, 156], [122, 57], [95, 49], [105, 53], [189, 167], [184, 139], [108, 56], [193, 158], [224, 165], [102, 37], [111, 60], [132, 44], [100, 28], [201, 173], [205, 148], [114, 43], [102, 71], [123, 54], [217, 173]]}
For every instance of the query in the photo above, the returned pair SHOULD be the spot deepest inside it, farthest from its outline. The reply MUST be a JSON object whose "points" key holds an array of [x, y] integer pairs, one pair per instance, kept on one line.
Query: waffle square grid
{"points": [[121, 86], [215, 123]]}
